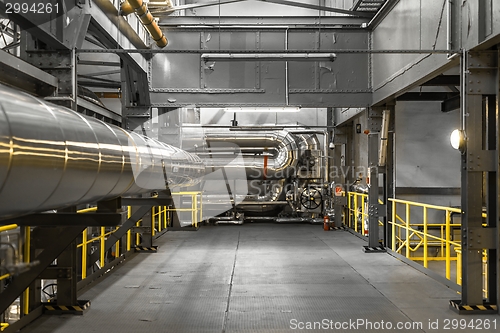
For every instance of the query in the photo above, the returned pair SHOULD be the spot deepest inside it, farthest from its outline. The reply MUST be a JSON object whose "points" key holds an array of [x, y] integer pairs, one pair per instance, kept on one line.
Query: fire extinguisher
{"points": [[326, 223]]}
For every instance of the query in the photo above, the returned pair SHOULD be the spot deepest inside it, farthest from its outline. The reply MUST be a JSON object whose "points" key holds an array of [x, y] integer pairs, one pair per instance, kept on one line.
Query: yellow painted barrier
{"points": [[409, 236], [196, 206]]}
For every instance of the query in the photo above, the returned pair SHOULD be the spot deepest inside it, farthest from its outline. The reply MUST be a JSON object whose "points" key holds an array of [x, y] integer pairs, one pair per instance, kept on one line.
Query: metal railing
{"points": [[357, 212], [3, 326], [357, 217], [408, 236], [196, 206], [161, 219]]}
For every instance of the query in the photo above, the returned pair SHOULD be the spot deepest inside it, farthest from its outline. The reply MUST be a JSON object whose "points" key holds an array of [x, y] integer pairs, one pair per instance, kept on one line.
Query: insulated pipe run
{"points": [[52, 157], [278, 166], [146, 18]]}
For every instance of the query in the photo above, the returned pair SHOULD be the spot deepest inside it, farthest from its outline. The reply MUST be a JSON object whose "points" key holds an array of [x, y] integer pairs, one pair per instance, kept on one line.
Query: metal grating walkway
{"points": [[259, 278]]}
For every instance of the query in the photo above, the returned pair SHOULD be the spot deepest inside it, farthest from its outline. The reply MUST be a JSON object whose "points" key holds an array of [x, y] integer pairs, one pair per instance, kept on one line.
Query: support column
{"points": [[389, 175], [374, 208], [479, 165]]}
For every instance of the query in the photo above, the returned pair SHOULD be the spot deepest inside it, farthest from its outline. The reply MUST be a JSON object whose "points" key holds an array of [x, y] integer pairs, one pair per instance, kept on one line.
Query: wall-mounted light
{"points": [[268, 110], [358, 128], [457, 140], [268, 56]]}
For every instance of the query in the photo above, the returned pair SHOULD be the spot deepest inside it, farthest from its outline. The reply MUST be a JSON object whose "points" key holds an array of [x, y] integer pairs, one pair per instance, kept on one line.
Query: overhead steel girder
{"points": [[426, 96], [316, 7], [207, 22], [40, 31], [208, 98], [109, 28], [23, 75], [443, 80]]}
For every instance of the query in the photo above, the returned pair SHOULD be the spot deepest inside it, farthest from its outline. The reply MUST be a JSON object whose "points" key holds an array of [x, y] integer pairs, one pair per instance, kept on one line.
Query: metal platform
{"points": [[261, 278]]}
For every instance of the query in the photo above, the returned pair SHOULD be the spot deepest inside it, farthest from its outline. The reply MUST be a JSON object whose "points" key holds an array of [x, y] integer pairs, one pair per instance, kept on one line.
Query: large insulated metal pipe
{"points": [[142, 11], [52, 157], [279, 165]]}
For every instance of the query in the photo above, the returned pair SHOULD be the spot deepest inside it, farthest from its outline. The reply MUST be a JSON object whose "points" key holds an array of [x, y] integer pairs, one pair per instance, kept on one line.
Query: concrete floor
{"points": [[263, 278]]}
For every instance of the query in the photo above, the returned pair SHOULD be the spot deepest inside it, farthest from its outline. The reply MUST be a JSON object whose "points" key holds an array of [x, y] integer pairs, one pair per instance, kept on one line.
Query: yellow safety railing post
{"points": [[195, 208], [27, 259], [153, 224], [164, 217], [118, 242], [129, 233], [363, 215], [84, 254], [394, 226], [459, 266], [407, 230], [448, 245], [355, 213], [426, 263], [201, 207], [102, 239]]}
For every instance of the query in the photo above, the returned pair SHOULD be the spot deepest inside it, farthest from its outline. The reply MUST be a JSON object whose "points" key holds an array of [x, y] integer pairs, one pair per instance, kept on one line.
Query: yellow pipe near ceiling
{"points": [[140, 8]]}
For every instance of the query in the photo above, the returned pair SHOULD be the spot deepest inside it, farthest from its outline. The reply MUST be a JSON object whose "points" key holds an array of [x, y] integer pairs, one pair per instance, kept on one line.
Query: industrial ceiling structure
{"points": [[271, 110]]}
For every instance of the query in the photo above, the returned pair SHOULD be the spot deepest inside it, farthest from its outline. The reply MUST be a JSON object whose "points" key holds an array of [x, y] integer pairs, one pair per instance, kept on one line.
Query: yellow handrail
{"points": [[8, 227], [410, 236], [196, 206]]}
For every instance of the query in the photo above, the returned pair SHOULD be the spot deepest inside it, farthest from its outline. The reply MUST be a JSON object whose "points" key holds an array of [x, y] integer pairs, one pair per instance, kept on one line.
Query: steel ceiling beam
{"points": [[157, 10], [260, 22], [443, 80], [316, 7], [426, 96]]}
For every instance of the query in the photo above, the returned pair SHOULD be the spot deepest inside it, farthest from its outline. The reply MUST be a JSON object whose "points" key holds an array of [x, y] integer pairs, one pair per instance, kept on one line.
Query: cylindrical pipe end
{"points": [[126, 8]]}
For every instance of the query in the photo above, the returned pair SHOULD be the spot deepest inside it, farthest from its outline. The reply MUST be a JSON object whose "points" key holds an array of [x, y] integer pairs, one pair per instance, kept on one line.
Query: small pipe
{"points": [[146, 18], [287, 93]]}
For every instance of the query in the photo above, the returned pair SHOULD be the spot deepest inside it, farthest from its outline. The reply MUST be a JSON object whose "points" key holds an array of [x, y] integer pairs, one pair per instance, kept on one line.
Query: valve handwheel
{"points": [[310, 198]]}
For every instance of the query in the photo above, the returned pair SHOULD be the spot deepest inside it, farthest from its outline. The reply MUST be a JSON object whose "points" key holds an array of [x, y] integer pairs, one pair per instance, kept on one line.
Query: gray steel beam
{"points": [[61, 238], [389, 176], [84, 104], [316, 7], [426, 96], [374, 208], [38, 31], [25, 76], [122, 231], [443, 80], [207, 22], [451, 104], [478, 159], [158, 10], [98, 63]]}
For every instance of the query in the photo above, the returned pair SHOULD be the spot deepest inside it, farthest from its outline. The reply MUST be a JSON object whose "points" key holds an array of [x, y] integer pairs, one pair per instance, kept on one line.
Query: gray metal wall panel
{"points": [[231, 74], [272, 40], [411, 25], [470, 23], [187, 80], [175, 70], [424, 156]]}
